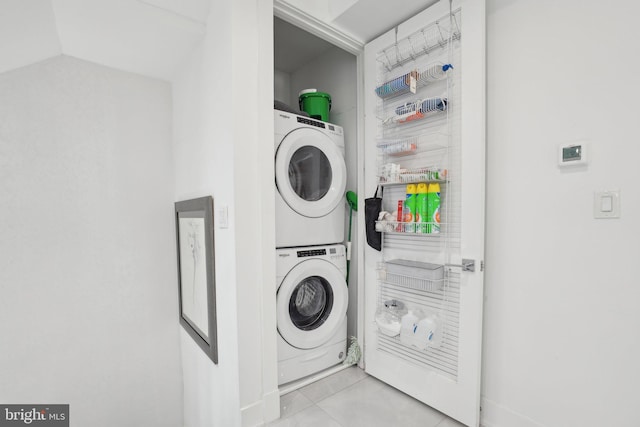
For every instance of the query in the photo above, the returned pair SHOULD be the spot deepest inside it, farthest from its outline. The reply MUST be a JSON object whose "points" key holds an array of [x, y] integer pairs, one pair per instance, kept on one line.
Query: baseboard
{"points": [[495, 415], [251, 415], [262, 411], [272, 405]]}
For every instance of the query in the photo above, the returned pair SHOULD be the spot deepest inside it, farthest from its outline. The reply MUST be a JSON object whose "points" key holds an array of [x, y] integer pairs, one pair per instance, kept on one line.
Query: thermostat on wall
{"points": [[574, 154]]}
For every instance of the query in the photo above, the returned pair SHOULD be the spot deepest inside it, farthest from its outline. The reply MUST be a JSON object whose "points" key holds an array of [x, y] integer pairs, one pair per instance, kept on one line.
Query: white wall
{"points": [[334, 72], [88, 312], [561, 317], [203, 156], [282, 87], [220, 149]]}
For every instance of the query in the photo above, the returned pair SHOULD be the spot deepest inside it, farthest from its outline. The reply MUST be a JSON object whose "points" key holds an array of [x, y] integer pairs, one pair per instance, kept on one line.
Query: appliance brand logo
{"points": [[34, 415]]}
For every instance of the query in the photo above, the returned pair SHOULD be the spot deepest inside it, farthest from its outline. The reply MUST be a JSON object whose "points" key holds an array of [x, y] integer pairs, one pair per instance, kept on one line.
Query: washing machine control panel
{"points": [[312, 252], [331, 252]]}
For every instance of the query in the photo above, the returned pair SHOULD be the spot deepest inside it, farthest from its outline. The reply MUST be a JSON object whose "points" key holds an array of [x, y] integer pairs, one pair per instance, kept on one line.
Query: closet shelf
{"points": [[422, 144], [412, 81], [416, 110], [412, 228], [412, 275], [392, 174]]}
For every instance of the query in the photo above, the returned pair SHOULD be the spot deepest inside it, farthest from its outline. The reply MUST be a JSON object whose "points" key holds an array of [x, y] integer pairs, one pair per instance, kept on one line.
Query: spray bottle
{"points": [[409, 209], [422, 216], [433, 207]]}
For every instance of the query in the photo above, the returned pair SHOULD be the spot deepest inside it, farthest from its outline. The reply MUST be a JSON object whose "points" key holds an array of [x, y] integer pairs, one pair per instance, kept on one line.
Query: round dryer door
{"points": [[311, 174], [311, 303]]}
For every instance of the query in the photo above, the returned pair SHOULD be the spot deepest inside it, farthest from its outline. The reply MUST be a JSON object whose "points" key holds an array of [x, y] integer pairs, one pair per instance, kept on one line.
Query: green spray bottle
{"points": [[409, 209], [422, 216], [433, 207]]}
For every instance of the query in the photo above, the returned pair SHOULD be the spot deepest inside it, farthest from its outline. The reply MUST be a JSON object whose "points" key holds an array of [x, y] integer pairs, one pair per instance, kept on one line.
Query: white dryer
{"points": [[311, 303], [311, 179]]}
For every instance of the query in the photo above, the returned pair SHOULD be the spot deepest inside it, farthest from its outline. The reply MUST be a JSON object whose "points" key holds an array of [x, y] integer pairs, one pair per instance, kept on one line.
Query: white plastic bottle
{"points": [[408, 327]]}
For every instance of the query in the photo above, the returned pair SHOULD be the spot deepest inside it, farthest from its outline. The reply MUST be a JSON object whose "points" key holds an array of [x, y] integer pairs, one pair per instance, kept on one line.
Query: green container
{"points": [[422, 209], [409, 209], [433, 208], [316, 104]]}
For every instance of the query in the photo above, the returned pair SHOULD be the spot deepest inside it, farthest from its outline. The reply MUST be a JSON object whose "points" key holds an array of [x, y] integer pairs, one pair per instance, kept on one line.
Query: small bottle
{"points": [[433, 207], [409, 209], [422, 216]]}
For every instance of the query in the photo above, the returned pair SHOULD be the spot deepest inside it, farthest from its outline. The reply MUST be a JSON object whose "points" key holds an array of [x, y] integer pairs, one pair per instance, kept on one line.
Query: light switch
{"points": [[606, 204], [222, 216]]}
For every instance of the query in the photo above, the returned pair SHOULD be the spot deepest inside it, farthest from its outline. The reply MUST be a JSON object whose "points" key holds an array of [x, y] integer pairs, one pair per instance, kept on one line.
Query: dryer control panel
{"points": [[317, 123]]}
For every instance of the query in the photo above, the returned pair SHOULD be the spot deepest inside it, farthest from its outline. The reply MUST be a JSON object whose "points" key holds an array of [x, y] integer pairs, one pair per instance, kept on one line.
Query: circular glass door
{"points": [[311, 303], [311, 174]]}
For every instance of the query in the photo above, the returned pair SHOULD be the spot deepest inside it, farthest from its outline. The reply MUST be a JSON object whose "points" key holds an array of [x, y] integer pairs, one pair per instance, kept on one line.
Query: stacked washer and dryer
{"points": [[312, 297]]}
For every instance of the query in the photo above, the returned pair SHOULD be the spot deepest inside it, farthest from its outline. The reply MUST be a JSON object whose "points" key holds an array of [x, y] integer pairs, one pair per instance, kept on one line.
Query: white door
{"points": [[444, 374], [311, 303], [311, 174]]}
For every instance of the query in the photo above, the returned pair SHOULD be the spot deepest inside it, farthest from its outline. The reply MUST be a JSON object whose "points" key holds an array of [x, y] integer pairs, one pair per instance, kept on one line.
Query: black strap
{"points": [[381, 188]]}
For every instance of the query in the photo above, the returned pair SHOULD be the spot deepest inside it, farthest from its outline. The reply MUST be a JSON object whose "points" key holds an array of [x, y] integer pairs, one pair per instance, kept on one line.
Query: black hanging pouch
{"points": [[372, 208]]}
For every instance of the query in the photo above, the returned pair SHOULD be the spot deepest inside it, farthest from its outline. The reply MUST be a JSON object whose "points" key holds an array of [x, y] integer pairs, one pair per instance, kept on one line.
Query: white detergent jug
{"points": [[408, 328], [421, 329], [428, 332]]}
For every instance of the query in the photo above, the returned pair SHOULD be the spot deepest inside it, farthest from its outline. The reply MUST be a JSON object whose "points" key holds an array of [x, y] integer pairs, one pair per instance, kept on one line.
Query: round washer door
{"points": [[311, 174], [311, 303]]}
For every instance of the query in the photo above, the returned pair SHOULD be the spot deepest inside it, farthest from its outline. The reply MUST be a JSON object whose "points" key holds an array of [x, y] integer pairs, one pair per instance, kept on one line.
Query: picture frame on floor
{"points": [[196, 272]]}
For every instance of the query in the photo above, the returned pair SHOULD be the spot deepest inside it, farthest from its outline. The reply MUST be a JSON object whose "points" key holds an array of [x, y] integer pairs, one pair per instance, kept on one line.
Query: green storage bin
{"points": [[316, 104]]}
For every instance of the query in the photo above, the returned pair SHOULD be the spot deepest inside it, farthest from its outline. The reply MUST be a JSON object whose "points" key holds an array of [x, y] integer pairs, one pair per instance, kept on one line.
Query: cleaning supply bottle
{"points": [[422, 217], [409, 209], [433, 207]]}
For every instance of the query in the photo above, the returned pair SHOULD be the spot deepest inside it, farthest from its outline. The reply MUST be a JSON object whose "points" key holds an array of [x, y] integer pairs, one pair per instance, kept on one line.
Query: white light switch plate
{"points": [[606, 204], [222, 216]]}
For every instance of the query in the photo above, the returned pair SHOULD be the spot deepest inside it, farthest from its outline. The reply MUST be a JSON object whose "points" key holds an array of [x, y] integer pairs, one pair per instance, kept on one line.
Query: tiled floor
{"points": [[351, 398]]}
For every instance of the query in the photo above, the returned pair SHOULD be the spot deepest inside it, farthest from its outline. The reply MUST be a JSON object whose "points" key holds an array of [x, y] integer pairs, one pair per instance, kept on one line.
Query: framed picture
{"points": [[196, 272]]}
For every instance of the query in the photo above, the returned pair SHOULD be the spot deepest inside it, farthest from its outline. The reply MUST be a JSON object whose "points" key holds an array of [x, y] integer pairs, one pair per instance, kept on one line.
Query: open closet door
{"points": [[424, 103]]}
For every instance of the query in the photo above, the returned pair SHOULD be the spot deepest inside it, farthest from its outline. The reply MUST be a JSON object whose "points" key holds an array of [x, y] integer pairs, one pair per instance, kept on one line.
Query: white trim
{"points": [[251, 415], [496, 415], [360, 235], [266, 201], [293, 386], [303, 20], [271, 409]]}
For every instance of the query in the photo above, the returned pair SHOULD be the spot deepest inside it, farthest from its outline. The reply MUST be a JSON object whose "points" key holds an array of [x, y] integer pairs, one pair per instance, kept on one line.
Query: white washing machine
{"points": [[311, 308], [311, 179]]}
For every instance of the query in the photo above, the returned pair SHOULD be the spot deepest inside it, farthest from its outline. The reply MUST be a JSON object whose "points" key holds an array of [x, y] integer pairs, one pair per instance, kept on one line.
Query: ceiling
{"points": [[367, 19], [149, 37], [152, 37]]}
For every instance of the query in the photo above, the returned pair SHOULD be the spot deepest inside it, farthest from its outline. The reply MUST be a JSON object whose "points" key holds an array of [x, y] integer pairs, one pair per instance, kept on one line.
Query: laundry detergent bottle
{"points": [[422, 217], [433, 207], [409, 209]]}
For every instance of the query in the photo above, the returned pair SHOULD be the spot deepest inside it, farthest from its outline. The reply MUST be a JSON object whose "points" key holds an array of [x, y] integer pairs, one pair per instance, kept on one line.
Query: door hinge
{"points": [[467, 265], [482, 265]]}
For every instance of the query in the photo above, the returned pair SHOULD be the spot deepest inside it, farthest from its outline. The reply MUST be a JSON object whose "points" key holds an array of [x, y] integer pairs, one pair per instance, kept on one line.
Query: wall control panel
{"points": [[574, 154]]}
